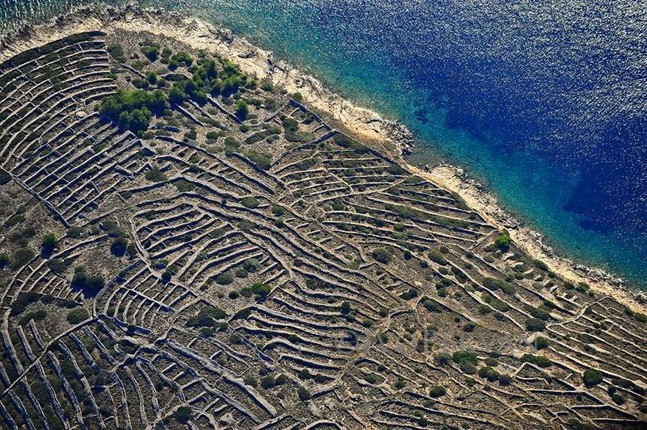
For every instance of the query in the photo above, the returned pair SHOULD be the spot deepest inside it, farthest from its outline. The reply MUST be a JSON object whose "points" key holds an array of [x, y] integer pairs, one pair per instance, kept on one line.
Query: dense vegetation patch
{"points": [[133, 109]]}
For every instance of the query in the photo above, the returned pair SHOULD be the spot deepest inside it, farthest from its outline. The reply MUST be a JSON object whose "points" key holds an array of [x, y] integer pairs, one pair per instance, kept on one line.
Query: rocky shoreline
{"points": [[362, 122]]}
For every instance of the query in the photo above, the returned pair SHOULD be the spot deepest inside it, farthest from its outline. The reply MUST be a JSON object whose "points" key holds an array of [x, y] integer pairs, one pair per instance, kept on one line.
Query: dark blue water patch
{"points": [[545, 102]]}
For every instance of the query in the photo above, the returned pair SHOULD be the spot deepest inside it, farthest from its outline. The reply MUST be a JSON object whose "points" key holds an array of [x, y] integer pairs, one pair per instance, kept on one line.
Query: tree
{"points": [[4, 260], [345, 308], [304, 394], [437, 391], [489, 373], [5, 177], [183, 414], [592, 377], [535, 324], [442, 359], [151, 51], [382, 255], [176, 95], [242, 110], [541, 342], [119, 246], [89, 284], [503, 242], [48, 244]]}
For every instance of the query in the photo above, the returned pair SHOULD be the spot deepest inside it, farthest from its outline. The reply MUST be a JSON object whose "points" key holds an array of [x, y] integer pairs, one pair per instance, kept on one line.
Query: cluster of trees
{"points": [[133, 110], [206, 79]]}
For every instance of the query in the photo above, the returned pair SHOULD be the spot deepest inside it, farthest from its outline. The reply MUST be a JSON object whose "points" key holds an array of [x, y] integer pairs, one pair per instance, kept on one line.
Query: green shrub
{"points": [[261, 290], [156, 175], [57, 266], [618, 399], [261, 160], [250, 381], [242, 110], [437, 391], [541, 342], [437, 256], [442, 359], [371, 378], [75, 232], [537, 360], [268, 382], [345, 308], [488, 373], [249, 202], [484, 309], [206, 317], [498, 284], [38, 315], [469, 356], [540, 313], [183, 414], [503, 242], [5, 177], [382, 255], [4, 260], [49, 243], [77, 316], [535, 324], [304, 394], [90, 285], [119, 246], [592, 377], [505, 380], [278, 210], [151, 51], [251, 265], [22, 301], [224, 279], [117, 52], [22, 257]]}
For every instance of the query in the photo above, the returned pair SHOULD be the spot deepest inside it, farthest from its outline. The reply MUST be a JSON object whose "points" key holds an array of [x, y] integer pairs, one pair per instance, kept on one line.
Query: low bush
{"points": [[249, 202], [89, 284], [592, 377], [77, 316], [535, 324], [537, 360], [260, 289], [437, 391], [382, 255], [488, 373], [183, 414], [224, 279]]}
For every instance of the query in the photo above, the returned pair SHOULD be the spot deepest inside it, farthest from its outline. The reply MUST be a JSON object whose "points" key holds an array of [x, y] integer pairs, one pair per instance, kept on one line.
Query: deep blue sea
{"points": [[545, 102]]}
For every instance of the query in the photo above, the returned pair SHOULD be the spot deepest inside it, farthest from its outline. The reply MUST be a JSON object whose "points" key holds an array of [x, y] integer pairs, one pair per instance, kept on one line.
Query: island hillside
{"points": [[183, 245]]}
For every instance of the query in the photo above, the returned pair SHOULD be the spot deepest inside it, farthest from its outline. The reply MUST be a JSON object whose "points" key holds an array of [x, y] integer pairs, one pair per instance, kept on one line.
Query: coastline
{"points": [[361, 122]]}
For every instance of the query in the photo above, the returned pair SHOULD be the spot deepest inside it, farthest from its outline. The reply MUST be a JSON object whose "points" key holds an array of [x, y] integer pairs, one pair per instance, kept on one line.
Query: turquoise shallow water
{"points": [[546, 104]]}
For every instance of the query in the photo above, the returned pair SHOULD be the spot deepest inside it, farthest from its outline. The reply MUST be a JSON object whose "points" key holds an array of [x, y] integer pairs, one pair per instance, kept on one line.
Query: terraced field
{"points": [[239, 263]]}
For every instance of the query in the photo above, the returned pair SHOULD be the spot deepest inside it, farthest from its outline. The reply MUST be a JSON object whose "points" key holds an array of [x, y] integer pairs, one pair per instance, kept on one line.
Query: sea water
{"points": [[544, 102]]}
